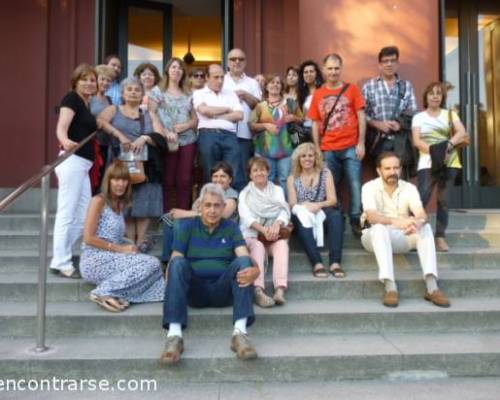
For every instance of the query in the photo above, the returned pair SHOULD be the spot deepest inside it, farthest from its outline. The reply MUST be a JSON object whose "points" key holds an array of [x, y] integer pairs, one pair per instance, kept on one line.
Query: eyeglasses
{"points": [[234, 59], [198, 75]]}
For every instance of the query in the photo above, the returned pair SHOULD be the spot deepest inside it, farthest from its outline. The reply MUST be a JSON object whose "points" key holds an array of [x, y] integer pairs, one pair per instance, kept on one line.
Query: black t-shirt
{"points": [[82, 125]]}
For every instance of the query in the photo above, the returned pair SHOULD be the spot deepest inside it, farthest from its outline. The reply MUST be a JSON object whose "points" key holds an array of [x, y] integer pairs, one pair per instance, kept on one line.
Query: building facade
{"points": [[453, 40]]}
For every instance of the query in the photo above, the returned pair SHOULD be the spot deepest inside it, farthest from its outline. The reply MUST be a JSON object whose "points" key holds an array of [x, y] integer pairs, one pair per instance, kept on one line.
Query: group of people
{"points": [[285, 148]]}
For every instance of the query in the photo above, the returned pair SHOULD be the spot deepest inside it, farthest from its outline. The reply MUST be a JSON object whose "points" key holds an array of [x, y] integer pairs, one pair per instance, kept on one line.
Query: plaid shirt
{"points": [[380, 103]]}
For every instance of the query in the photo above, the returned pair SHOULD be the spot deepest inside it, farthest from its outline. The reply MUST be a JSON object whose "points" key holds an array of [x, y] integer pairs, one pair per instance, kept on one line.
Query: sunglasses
{"points": [[198, 75], [234, 59]]}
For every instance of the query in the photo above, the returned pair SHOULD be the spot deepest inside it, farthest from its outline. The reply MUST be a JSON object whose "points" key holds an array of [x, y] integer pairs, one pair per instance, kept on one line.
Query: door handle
{"points": [[475, 113]]}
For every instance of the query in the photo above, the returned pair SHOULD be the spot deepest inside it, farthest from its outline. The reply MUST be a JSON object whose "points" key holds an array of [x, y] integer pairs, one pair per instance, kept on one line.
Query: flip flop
{"points": [[108, 303], [338, 273], [320, 272], [123, 302]]}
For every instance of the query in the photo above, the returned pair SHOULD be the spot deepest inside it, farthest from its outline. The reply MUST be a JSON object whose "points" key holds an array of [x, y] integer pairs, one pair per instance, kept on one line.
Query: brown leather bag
{"points": [[285, 233]]}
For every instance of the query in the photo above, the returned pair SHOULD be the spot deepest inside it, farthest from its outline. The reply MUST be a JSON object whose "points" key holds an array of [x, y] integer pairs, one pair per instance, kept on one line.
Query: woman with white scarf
{"points": [[311, 193], [263, 210]]}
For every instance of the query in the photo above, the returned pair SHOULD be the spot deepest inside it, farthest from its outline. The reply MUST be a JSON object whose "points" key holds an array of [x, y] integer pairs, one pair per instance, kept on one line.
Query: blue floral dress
{"points": [[137, 278]]}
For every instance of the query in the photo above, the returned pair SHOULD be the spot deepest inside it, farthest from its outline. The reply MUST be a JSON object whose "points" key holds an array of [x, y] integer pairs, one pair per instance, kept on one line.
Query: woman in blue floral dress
{"points": [[122, 275]]}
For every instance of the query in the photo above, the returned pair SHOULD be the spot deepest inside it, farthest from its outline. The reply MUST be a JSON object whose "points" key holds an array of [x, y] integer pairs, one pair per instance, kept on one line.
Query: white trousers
{"points": [[384, 240], [73, 198]]}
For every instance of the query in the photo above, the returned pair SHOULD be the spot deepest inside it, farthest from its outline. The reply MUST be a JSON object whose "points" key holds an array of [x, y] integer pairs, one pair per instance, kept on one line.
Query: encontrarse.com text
{"points": [[55, 384]]}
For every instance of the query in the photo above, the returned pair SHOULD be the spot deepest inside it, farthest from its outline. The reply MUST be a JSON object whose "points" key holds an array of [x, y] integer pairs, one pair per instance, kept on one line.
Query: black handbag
{"points": [[298, 134]]}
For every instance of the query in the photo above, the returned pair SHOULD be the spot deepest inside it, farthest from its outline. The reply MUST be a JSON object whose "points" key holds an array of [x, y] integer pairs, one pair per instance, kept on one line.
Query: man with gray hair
{"points": [[249, 93], [209, 267]]}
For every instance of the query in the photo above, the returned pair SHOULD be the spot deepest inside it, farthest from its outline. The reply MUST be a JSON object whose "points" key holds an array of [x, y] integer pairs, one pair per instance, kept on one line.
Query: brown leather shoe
{"points": [[173, 350], [391, 299], [262, 299], [279, 296], [438, 298], [441, 244], [243, 347]]}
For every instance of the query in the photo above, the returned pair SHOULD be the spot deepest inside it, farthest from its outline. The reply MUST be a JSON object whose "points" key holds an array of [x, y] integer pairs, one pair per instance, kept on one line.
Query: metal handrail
{"points": [[44, 176]]}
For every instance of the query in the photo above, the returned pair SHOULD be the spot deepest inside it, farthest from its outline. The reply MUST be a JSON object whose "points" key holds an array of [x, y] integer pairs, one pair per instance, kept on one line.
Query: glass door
{"points": [[472, 67], [145, 34]]}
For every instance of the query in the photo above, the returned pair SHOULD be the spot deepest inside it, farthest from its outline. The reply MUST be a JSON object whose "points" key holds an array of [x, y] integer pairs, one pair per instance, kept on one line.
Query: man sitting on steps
{"points": [[209, 267], [398, 224]]}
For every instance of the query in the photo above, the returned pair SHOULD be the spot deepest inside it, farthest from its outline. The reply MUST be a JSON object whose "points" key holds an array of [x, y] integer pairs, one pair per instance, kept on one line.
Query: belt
{"points": [[211, 130], [388, 136]]}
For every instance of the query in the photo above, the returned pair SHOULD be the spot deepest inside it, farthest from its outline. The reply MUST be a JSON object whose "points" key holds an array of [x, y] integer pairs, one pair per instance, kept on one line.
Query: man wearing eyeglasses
{"points": [[248, 91], [395, 222], [390, 105], [197, 78]]}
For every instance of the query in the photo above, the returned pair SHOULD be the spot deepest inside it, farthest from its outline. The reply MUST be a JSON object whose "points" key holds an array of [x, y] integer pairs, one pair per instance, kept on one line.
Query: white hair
{"points": [[214, 189]]}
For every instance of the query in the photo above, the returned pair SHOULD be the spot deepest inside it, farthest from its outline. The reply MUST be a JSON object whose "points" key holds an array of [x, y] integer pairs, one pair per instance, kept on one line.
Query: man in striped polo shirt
{"points": [[209, 267]]}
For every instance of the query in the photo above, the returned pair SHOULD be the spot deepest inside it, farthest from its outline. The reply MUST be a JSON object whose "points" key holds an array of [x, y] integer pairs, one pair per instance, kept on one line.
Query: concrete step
{"points": [[22, 286], [294, 358], [466, 219], [85, 319], [352, 260], [29, 240], [414, 385]]}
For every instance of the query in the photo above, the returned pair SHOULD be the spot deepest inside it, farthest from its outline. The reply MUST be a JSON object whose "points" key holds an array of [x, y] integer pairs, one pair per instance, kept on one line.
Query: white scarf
{"points": [[264, 204]]}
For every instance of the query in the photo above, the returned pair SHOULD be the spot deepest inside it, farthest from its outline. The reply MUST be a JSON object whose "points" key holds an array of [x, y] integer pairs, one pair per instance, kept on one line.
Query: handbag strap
{"points": [[325, 123], [316, 197], [141, 122]]}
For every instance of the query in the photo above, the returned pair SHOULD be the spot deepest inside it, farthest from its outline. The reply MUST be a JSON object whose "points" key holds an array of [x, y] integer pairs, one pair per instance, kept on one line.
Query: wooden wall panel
{"points": [[42, 41]]}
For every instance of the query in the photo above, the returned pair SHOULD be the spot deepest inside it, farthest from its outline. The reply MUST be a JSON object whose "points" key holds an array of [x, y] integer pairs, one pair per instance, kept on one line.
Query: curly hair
{"points": [[299, 152]]}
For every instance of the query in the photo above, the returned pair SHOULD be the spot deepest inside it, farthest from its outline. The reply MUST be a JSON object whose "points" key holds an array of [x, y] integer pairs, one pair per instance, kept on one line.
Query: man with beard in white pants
{"points": [[397, 224]]}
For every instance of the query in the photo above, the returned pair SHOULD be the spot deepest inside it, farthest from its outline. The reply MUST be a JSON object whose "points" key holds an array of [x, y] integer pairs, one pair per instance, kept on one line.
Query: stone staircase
{"points": [[330, 329]]}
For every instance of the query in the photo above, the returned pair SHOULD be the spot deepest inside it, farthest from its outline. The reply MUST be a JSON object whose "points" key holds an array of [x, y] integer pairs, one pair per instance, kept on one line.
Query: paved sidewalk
{"points": [[425, 389]]}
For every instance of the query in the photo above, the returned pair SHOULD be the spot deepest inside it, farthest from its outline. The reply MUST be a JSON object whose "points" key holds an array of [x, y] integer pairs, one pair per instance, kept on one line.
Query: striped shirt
{"points": [[381, 100], [209, 253], [115, 92]]}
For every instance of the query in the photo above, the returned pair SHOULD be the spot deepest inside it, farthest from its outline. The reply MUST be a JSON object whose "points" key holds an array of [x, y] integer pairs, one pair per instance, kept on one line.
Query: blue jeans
{"points": [[346, 161], [218, 145], [168, 239], [280, 169], [246, 152], [335, 238], [184, 287], [426, 182]]}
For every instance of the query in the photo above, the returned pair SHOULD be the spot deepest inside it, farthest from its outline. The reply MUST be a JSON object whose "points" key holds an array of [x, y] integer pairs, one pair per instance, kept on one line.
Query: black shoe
{"points": [[356, 229]]}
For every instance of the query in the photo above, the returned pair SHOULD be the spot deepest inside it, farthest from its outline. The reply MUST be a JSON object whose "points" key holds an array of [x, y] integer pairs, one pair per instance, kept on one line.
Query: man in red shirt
{"points": [[339, 124]]}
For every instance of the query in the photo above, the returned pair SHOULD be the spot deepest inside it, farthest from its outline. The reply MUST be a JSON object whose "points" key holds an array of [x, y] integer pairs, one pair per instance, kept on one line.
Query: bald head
{"points": [[215, 77]]}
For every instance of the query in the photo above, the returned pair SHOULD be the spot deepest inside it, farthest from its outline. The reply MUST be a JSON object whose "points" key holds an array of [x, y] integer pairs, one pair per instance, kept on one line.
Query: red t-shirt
{"points": [[342, 130]]}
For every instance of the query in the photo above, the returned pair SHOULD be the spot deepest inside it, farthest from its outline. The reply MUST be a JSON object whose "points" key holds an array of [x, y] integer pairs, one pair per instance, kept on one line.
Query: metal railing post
{"points": [[42, 270]]}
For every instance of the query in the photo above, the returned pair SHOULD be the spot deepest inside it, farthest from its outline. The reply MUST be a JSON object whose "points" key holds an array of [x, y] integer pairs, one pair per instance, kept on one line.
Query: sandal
{"points": [[262, 299], [124, 303], [337, 272], [108, 303], [147, 245], [320, 272]]}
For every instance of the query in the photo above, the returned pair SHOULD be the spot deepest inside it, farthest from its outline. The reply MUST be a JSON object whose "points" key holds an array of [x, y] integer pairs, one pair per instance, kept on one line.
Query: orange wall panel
{"points": [[358, 29]]}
